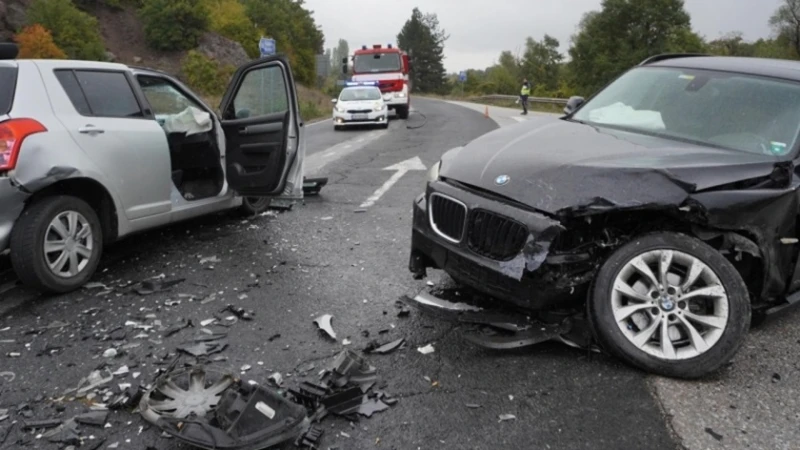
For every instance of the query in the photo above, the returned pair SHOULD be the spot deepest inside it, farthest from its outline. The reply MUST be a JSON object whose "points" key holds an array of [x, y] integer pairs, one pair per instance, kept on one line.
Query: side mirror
{"points": [[573, 103], [333, 100]]}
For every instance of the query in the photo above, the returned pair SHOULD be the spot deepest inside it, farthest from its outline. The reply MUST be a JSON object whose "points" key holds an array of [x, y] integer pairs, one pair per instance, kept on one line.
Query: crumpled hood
{"points": [[556, 165]]}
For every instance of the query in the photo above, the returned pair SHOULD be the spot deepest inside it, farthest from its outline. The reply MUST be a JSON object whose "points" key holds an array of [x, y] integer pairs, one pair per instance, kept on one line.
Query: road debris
{"points": [[507, 417], [228, 414], [204, 345], [426, 350], [386, 348], [324, 324], [714, 434], [94, 418], [152, 287]]}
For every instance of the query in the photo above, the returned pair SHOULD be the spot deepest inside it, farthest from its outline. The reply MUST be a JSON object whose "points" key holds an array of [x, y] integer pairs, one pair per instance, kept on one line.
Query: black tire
{"points": [[27, 244], [611, 338], [402, 112], [252, 206], [337, 128]]}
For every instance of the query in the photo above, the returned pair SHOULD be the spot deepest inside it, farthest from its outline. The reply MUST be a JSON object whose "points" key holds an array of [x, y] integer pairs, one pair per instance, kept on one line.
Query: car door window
{"points": [[101, 93], [262, 93], [164, 97]]}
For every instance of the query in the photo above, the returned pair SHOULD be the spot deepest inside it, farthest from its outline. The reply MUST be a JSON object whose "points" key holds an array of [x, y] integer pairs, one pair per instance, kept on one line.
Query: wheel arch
{"points": [[92, 192], [611, 230]]}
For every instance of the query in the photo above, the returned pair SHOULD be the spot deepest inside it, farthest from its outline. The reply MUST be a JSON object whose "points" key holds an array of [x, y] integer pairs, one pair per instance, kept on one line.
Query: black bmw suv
{"points": [[664, 207]]}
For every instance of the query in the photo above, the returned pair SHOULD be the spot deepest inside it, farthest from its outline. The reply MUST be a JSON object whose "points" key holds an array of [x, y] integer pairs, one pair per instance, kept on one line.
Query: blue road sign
{"points": [[266, 46], [462, 76]]}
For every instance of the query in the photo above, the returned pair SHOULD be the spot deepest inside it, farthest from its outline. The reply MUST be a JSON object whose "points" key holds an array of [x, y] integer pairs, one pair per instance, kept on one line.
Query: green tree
{"points": [[786, 23], [540, 63], [229, 19], [74, 32], [423, 39], [205, 75], [624, 33], [295, 32], [174, 25]]}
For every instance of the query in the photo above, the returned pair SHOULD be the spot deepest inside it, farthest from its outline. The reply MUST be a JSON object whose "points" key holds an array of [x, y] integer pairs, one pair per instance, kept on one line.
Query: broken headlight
{"points": [[433, 173]]}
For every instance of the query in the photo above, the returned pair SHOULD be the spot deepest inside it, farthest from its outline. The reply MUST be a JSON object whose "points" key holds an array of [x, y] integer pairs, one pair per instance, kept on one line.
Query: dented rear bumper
{"points": [[12, 202], [520, 278]]}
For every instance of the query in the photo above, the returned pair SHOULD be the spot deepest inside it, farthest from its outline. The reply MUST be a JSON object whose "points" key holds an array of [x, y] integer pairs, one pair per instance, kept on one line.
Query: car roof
{"points": [[73, 64], [775, 68]]}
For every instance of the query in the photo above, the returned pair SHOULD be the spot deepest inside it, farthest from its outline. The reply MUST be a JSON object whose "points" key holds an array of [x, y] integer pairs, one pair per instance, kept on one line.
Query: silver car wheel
{"points": [[670, 304], [68, 244]]}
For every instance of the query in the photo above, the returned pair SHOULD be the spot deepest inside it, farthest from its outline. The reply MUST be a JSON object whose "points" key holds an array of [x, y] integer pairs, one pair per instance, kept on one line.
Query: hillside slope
{"points": [[123, 36]]}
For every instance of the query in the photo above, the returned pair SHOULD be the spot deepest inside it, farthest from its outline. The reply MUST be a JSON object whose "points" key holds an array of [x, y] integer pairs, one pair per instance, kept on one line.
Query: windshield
{"points": [[8, 83], [379, 62], [360, 94], [733, 111]]}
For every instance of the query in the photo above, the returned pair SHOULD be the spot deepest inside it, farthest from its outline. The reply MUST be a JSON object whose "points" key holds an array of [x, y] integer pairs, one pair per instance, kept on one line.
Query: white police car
{"points": [[360, 103]]}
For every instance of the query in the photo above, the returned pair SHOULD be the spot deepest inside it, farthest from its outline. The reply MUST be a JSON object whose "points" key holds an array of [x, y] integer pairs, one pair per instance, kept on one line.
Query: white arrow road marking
{"points": [[399, 169]]}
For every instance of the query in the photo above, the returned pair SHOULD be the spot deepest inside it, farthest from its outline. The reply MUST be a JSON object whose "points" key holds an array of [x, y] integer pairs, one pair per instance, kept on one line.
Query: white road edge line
{"points": [[400, 169]]}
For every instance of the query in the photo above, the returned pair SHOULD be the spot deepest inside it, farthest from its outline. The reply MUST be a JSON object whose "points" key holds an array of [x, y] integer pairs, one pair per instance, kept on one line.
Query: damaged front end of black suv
{"points": [[532, 214]]}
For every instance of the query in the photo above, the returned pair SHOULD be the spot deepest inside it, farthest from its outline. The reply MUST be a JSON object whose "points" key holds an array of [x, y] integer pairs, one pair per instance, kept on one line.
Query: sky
{"points": [[480, 29]]}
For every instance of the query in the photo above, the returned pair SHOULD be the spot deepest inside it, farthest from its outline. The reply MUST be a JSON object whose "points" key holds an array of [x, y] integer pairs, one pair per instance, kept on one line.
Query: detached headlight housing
{"points": [[433, 173]]}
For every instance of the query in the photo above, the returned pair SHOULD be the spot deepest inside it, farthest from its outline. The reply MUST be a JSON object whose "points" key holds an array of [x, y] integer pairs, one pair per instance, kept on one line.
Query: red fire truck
{"points": [[389, 66]]}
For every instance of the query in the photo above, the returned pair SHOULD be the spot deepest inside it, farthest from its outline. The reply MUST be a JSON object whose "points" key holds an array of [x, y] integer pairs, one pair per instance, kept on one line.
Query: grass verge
{"points": [[314, 105]]}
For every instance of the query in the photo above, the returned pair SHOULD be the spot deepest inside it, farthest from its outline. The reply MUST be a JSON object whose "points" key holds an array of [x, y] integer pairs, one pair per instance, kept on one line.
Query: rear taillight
{"points": [[12, 133]]}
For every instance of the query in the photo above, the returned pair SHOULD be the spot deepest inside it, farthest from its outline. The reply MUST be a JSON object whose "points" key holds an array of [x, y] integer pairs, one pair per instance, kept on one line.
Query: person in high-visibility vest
{"points": [[524, 94]]}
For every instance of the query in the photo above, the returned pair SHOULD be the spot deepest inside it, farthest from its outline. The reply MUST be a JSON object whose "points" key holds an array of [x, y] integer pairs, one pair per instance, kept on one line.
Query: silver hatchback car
{"points": [[92, 152]]}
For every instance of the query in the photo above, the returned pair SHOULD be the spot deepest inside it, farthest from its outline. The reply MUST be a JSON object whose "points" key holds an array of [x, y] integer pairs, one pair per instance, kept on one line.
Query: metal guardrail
{"points": [[553, 101]]}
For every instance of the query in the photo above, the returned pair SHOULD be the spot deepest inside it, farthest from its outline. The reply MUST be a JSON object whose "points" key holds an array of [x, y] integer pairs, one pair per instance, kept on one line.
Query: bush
{"points": [[74, 31], [229, 19], [205, 75], [36, 42], [174, 25]]}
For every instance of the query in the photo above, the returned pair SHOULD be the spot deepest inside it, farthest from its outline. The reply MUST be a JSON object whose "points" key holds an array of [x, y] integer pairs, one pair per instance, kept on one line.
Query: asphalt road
{"points": [[328, 256]]}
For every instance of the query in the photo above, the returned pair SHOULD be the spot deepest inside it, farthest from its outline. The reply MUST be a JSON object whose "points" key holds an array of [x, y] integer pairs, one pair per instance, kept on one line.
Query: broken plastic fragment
{"points": [[95, 418], [428, 349], [324, 324], [234, 416], [388, 348], [506, 417]]}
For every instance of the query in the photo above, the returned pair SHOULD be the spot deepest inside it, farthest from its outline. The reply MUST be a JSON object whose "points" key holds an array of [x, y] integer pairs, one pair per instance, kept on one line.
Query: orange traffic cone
{"points": [[486, 112]]}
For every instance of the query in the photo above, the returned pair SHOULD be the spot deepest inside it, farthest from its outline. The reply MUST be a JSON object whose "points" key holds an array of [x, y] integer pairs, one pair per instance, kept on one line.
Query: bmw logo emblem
{"points": [[502, 180]]}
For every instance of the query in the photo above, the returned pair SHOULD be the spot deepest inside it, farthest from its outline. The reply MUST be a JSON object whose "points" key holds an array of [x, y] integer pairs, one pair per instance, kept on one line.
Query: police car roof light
{"points": [[361, 83]]}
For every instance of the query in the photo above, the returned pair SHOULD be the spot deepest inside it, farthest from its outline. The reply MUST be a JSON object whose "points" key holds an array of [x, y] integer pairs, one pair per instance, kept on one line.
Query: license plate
{"points": [[360, 117]]}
